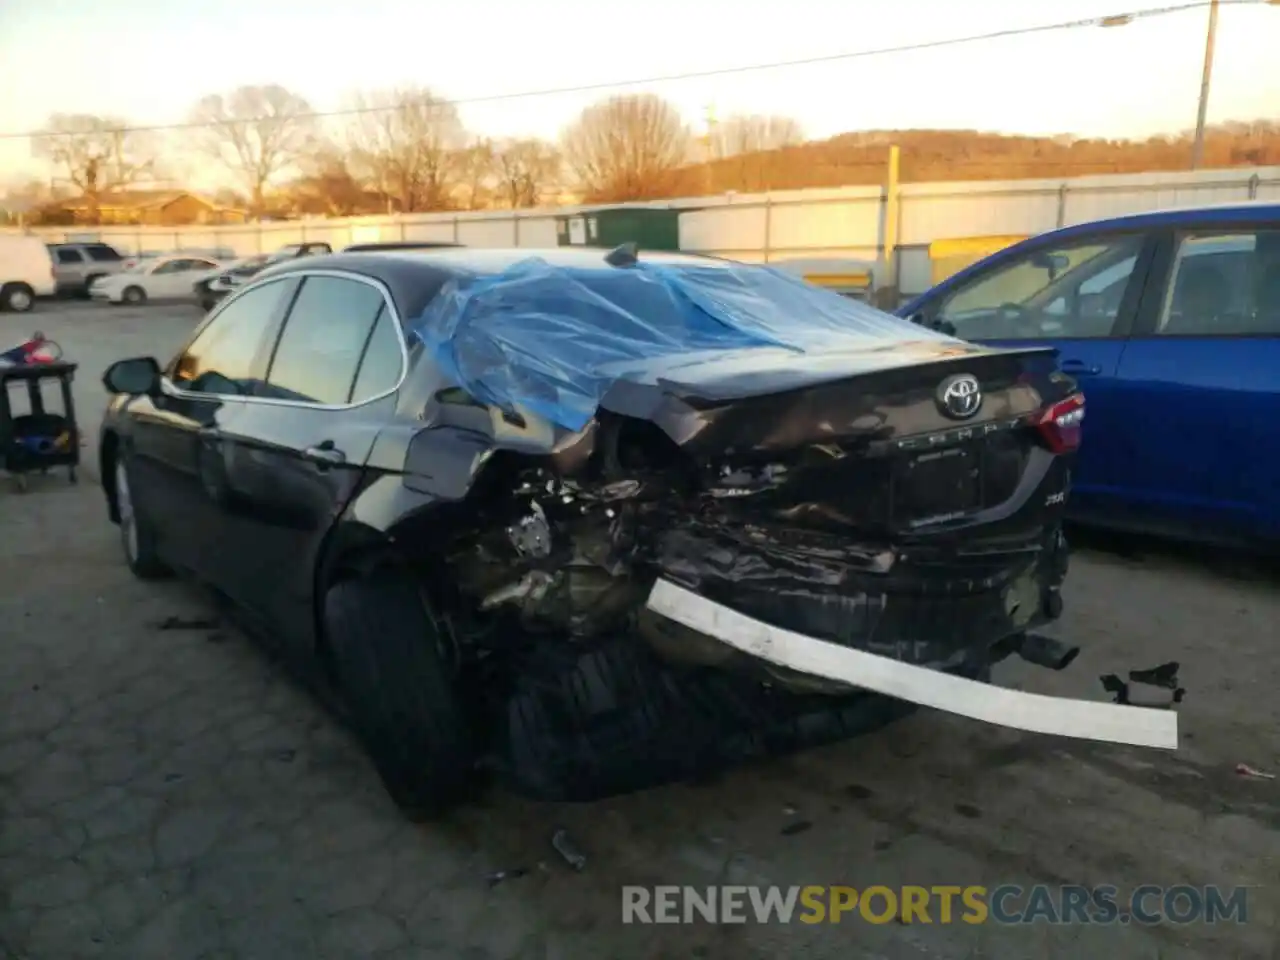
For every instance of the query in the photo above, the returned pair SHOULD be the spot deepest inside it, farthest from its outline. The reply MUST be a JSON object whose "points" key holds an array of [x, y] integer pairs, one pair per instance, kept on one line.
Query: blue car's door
{"points": [[1201, 379], [1080, 296]]}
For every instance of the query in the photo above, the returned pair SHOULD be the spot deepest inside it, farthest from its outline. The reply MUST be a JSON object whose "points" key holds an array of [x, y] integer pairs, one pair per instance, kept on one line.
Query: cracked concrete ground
{"points": [[169, 794]]}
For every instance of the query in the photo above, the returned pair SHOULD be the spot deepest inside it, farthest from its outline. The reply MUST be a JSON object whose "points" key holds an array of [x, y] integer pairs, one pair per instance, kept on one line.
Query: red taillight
{"points": [[1059, 425]]}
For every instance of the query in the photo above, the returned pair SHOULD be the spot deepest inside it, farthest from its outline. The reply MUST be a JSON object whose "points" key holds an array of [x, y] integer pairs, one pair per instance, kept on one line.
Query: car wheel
{"points": [[17, 297], [89, 281], [387, 657], [133, 295], [137, 535]]}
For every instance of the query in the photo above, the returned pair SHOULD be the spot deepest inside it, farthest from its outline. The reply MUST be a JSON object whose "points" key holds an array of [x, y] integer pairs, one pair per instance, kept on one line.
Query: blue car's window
{"points": [[1225, 284], [1070, 291]]}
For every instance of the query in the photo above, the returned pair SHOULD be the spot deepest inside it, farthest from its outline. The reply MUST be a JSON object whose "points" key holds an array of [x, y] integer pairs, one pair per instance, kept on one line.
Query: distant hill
{"points": [[928, 155]]}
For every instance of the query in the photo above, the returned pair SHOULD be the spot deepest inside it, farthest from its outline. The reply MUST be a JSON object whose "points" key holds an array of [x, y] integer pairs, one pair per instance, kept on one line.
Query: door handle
{"points": [[325, 453], [1080, 368]]}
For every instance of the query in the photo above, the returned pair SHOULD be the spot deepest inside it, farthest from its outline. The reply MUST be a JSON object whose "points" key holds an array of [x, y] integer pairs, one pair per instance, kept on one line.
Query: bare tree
{"points": [[475, 168], [627, 148], [259, 133], [527, 170], [750, 152], [328, 187], [406, 143], [754, 133], [95, 154]]}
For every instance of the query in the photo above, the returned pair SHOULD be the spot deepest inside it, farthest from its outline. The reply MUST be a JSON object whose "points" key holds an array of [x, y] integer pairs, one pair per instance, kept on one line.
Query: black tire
{"points": [[89, 281], [17, 298], [389, 665], [137, 534], [133, 295]]}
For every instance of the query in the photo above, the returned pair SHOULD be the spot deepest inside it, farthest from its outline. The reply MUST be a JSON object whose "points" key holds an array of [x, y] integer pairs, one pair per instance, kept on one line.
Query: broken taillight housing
{"points": [[1059, 425]]}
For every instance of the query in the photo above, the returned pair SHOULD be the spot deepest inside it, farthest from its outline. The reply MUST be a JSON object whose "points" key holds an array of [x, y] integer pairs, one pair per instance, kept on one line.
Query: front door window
{"points": [[1070, 291]]}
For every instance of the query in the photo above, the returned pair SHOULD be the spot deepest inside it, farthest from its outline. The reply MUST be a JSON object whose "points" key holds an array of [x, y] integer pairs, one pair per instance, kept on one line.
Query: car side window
{"points": [[324, 336], [1070, 291], [221, 358], [383, 360], [1223, 284], [169, 266], [103, 254], [67, 255]]}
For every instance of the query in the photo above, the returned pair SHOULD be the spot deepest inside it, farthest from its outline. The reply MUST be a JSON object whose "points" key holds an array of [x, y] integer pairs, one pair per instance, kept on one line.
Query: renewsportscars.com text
{"points": [[1149, 904]]}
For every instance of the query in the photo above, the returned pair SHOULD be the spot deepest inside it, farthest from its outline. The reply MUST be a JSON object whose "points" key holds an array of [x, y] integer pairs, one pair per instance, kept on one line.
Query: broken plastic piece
{"points": [[565, 847], [1164, 676], [1034, 712], [1244, 770]]}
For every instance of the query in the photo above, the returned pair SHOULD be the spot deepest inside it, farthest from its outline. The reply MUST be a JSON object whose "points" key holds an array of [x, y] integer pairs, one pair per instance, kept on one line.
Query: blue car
{"points": [[1170, 322]]}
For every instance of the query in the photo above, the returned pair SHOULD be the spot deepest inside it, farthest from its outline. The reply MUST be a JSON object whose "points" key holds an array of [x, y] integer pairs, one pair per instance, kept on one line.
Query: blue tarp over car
{"points": [[554, 339]]}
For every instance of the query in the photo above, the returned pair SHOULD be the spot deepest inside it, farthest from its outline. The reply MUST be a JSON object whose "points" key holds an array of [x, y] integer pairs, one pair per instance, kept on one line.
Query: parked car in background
{"points": [[210, 290], [1171, 322], [292, 250], [399, 245], [479, 559], [155, 278], [26, 272], [211, 253], [77, 265]]}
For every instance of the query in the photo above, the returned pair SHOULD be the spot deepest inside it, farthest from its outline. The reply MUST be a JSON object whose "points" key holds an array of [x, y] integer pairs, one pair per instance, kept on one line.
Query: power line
{"points": [[1104, 21]]}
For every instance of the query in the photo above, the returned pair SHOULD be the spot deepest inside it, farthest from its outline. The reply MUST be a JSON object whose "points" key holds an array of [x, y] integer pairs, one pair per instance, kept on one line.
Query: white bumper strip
{"points": [[1084, 719]]}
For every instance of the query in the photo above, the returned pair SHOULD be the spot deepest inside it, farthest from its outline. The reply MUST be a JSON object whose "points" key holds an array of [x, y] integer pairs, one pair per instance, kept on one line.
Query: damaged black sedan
{"points": [[588, 522]]}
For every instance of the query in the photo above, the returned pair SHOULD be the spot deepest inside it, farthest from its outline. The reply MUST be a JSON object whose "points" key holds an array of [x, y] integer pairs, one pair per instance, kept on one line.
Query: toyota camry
{"points": [[585, 521]]}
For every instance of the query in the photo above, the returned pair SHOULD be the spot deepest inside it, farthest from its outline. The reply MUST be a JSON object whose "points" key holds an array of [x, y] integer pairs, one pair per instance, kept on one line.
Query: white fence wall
{"points": [[846, 223]]}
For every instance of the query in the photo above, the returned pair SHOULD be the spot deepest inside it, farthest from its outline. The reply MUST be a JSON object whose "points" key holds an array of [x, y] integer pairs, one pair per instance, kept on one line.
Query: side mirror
{"points": [[137, 376]]}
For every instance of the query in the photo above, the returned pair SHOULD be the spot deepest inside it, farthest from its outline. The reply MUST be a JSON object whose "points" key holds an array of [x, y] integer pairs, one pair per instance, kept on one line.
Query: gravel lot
{"points": [[170, 794]]}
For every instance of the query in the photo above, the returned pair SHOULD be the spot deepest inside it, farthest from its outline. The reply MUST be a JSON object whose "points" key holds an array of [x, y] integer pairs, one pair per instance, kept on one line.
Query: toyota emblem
{"points": [[960, 397]]}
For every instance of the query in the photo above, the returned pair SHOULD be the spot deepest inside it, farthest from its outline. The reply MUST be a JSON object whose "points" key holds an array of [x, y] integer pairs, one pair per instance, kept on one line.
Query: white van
{"points": [[26, 272]]}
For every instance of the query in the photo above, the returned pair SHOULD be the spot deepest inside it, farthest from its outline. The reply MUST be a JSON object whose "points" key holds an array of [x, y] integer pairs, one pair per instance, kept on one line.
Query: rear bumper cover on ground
{"points": [[1037, 713]]}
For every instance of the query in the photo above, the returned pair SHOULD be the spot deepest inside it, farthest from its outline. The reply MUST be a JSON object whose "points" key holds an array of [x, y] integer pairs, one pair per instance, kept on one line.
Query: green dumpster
{"points": [[647, 228]]}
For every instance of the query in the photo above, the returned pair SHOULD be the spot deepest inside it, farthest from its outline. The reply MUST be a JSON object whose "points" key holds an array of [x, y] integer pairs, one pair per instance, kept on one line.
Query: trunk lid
{"points": [[897, 446]]}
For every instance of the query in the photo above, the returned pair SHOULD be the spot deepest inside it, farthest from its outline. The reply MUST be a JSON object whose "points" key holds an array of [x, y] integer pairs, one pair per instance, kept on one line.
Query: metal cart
{"points": [[37, 439]]}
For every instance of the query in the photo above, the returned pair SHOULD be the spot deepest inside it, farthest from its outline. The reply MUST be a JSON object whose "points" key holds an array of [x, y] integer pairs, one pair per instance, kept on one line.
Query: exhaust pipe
{"points": [[1046, 652]]}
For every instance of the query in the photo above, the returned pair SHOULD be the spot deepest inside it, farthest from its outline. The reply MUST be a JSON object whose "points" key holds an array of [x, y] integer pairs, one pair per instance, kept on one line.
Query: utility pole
{"points": [[1197, 151], [709, 152]]}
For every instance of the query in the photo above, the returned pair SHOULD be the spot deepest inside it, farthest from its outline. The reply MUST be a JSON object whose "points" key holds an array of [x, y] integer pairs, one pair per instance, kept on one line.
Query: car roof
{"points": [[414, 276], [1250, 213], [1253, 211]]}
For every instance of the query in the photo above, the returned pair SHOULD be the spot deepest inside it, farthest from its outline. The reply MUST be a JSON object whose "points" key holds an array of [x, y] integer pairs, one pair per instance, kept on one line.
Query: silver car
{"points": [[77, 265]]}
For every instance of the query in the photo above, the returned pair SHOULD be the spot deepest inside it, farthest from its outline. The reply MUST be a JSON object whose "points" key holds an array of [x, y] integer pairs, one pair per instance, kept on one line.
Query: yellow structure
{"points": [[947, 257]]}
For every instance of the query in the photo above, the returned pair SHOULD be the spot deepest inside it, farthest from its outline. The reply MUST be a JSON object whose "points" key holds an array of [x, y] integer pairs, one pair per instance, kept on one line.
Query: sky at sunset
{"points": [[148, 60]]}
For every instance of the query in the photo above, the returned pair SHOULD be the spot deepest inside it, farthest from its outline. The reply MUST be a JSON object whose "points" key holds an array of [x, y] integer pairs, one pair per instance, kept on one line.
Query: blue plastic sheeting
{"points": [[554, 339]]}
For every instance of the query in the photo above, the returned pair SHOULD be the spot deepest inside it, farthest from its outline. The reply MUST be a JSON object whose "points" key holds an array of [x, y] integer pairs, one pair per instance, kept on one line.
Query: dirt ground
{"points": [[169, 793]]}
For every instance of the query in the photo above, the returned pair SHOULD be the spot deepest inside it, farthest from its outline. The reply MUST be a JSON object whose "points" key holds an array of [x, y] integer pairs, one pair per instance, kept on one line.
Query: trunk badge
{"points": [[959, 396]]}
